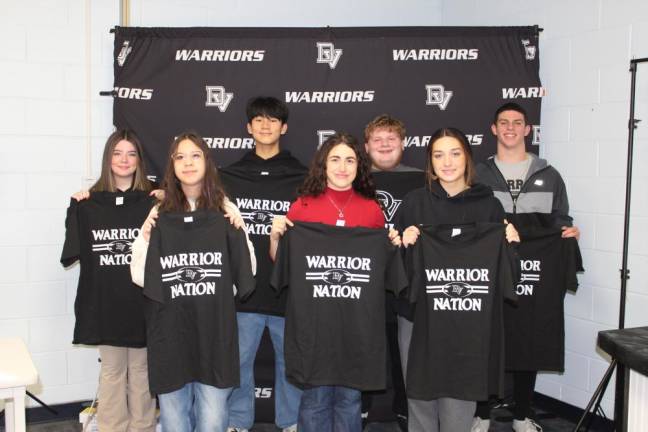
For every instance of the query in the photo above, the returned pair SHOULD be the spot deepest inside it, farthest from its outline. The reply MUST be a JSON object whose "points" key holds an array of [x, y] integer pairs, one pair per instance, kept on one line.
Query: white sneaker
{"points": [[292, 428], [526, 425], [233, 429], [480, 425]]}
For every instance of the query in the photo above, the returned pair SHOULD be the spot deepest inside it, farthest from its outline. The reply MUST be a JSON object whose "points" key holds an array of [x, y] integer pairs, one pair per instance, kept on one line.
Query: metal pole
{"points": [[621, 387], [620, 393], [598, 394]]}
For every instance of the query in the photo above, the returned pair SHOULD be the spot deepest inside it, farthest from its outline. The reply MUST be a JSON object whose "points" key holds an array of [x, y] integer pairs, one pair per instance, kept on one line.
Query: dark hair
{"points": [[266, 106], [315, 182], [211, 196], [511, 106], [469, 174], [106, 181], [385, 121]]}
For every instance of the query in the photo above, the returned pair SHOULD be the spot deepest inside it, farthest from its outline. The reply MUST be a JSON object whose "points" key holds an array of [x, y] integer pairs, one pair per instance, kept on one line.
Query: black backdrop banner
{"points": [[169, 80]]}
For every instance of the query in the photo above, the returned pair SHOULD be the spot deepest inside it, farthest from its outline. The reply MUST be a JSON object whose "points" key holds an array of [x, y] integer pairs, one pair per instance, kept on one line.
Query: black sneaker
{"points": [[401, 420]]}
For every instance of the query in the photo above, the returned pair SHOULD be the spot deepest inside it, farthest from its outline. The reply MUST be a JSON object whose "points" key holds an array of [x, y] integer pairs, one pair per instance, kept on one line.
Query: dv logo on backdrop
{"points": [[327, 53], [123, 53], [322, 135], [535, 140], [390, 204], [218, 97], [438, 95], [529, 50]]}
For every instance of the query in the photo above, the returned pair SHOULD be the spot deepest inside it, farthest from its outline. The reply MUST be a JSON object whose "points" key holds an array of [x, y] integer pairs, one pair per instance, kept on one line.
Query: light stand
{"points": [[621, 390]]}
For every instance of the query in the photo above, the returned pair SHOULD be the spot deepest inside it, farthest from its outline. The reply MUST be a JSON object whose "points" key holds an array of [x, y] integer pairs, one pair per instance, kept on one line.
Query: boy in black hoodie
{"points": [[263, 184]]}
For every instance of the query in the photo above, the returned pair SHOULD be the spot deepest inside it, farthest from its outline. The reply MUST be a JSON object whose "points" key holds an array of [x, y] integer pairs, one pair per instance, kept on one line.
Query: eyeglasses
{"points": [[179, 157]]}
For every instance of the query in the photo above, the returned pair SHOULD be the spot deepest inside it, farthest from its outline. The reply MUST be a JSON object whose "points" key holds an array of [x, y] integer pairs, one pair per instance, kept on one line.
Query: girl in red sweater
{"points": [[337, 191]]}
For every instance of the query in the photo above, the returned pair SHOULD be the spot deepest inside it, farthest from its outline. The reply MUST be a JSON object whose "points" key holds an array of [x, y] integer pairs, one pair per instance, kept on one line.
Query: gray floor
{"points": [[73, 426], [499, 424]]}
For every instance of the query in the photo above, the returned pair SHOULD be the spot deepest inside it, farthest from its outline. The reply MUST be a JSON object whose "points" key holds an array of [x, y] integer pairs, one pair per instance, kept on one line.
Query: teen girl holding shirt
{"points": [[450, 197], [108, 315], [337, 191], [190, 183]]}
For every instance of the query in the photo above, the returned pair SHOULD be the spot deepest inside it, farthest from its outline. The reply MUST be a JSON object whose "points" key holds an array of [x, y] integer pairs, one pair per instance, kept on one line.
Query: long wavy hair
{"points": [[315, 183], [106, 181], [469, 173], [211, 196]]}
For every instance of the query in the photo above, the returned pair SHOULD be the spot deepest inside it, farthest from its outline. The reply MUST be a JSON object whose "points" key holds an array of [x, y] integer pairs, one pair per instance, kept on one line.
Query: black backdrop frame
{"points": [[622, 373], [134, 48]]}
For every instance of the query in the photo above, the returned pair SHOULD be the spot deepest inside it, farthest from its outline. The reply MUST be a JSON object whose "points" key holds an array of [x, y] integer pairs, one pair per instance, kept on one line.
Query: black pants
{"points": [[523, 386]]}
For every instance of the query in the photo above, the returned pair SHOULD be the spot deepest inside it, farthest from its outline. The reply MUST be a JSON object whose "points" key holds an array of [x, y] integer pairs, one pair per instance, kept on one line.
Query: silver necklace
{"points": [[340, 210]]}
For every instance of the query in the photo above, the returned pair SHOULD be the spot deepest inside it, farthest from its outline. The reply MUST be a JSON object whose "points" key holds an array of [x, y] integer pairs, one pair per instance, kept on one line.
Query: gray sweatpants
{"points": [[438, 415]]}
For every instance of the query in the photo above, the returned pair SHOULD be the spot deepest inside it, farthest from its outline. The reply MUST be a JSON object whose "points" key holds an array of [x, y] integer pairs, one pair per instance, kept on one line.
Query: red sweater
{"points": [[358, 211]]}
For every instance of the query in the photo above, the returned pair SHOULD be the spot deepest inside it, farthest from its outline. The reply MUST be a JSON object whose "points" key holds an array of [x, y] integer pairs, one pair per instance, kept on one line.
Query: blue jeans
{"points": [[330, 409], [202, 404], [286, 396]]}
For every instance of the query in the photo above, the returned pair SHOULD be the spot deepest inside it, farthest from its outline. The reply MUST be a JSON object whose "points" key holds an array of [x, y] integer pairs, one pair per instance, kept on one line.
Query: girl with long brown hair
{"points": [[122, 166], [190, 185], [337, 191], [109, 311], [450, 196]]}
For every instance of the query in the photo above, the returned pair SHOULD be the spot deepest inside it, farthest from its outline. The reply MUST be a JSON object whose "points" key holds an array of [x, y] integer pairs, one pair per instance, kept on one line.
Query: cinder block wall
{"points": [[52, 128]]}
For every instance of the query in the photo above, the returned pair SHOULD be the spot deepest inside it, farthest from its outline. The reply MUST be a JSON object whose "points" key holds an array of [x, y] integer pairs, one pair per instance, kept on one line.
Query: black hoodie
{"points": [[261, 189], [433, 206]]}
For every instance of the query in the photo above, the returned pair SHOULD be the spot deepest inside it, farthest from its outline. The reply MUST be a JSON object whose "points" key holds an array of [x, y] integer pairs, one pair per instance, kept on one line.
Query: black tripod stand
{"points": [[621, 390], [43, 404]]}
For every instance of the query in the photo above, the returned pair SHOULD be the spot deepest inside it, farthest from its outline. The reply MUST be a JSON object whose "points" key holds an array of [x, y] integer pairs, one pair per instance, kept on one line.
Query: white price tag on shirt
{"points": [[188, 219], [455, 232], [119, 200]]}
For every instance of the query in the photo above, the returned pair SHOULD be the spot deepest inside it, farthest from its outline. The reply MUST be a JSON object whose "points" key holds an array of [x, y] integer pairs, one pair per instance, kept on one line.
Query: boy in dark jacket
{"points": [[263, 184], [532, 192]]}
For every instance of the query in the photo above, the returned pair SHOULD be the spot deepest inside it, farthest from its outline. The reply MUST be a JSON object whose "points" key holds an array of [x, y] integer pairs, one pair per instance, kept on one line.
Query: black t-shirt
{"points": [[263, 189], [535, 328], [193, 260], [335, 317], [99, 232], [459, 276], [431, 205]]}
